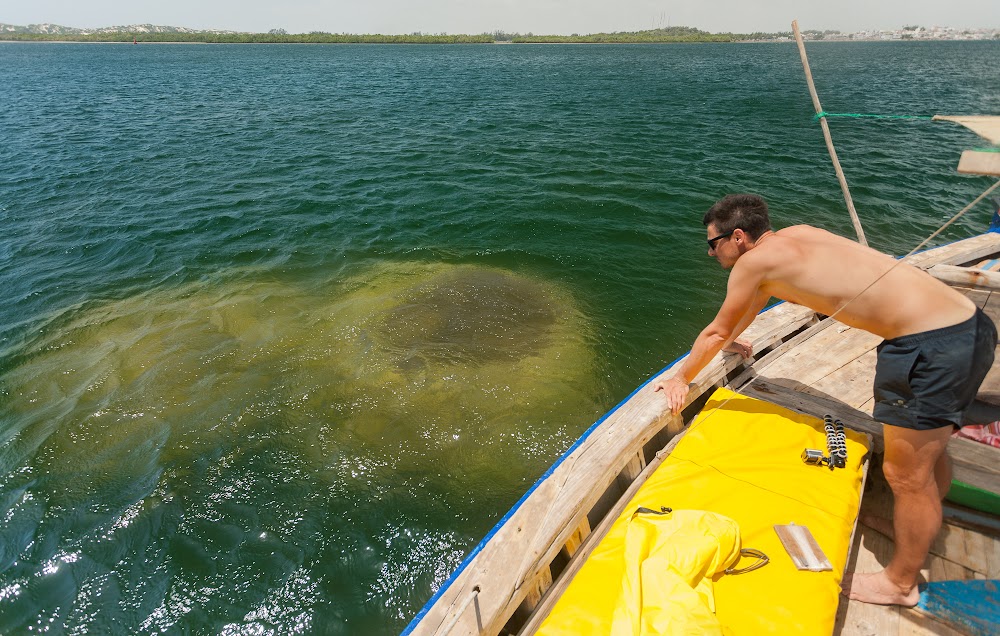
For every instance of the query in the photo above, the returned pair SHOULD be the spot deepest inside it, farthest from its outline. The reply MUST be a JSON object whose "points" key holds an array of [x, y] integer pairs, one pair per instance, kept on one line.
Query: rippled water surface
{"points": [[287, 329]]}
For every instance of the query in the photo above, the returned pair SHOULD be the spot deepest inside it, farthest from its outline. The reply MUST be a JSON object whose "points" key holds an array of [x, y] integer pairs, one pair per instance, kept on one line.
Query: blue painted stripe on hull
{"points": [[973, 605]]}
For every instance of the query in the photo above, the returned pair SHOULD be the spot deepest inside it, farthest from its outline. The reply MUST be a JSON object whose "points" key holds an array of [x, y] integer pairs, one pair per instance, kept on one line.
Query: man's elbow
{"points": [[715, 337]]}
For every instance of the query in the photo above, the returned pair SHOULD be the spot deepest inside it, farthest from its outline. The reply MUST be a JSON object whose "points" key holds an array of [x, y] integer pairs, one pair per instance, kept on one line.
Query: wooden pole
{"points": [[826, 135]]}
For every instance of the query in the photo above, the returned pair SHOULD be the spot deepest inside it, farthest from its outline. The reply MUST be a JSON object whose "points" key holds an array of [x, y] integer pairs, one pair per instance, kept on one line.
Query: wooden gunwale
{"points": [[966, 277], [532, 552]]}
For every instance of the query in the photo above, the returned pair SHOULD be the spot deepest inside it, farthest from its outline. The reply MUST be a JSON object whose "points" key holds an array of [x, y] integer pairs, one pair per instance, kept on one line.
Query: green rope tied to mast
{"points": [[823, 113]]}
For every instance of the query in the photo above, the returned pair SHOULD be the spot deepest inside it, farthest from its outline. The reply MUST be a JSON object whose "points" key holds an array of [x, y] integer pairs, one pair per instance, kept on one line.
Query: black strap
{"points": [[662, 511]]}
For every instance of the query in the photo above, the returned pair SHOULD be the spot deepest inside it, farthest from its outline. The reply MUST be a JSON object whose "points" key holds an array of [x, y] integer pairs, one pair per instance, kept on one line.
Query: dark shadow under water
{"points": [[254, 454]]}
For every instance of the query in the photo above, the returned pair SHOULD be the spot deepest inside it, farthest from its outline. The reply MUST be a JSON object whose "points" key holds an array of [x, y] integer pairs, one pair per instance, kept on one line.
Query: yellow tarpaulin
{"points": [[741, 458]]}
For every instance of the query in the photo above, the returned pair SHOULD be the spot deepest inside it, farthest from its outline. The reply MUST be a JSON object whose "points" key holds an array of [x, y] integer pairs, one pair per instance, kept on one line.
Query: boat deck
{"points": [[842, 363]]}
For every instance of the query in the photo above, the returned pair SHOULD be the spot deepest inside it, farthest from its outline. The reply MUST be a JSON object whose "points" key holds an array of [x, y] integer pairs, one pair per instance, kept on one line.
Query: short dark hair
{"points": [[747, 212]]}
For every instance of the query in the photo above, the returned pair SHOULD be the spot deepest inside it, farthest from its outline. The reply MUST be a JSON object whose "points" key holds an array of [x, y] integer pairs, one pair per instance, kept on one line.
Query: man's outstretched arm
{"points": [[742, 347], [743, 301]]}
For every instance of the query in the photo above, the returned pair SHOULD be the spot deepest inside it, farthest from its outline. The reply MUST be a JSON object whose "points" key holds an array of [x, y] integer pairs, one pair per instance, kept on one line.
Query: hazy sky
{"points": [[478, 16]]}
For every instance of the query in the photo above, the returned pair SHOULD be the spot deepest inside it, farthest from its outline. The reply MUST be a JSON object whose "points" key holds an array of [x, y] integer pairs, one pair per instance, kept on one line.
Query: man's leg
{"points": [[914, 465], [942, 474]]}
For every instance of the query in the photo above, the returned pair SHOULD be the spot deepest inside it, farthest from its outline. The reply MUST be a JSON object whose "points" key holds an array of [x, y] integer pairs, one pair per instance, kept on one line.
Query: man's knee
{"points": [[910, 477], [911, 457]]}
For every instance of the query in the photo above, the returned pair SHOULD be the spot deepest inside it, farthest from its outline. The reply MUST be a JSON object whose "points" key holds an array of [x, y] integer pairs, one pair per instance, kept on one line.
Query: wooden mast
{"points": [[826, 135]]}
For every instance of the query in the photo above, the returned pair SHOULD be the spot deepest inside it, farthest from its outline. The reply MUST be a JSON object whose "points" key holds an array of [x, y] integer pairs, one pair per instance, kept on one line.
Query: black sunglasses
{"points": [[715, 239]]}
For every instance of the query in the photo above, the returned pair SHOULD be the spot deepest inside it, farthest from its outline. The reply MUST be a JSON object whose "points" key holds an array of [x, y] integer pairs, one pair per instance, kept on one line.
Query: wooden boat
{"points": [[804, 362]]}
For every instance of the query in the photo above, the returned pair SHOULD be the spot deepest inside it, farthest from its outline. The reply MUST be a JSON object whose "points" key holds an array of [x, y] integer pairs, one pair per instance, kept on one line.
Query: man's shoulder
{"points": [[795, 240], [776, 250], [799, 229]]}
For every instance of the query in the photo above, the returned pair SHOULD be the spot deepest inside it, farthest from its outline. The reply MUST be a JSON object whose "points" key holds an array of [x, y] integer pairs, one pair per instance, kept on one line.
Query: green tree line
{"points": [[278, 36], [252, 38]]}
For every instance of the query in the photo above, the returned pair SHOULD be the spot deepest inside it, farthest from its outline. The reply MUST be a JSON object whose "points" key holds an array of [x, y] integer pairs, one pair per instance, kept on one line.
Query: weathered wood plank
{"points": [[981, 522], [975, 464], [538, 587], [852, 383], [782, 319], [779, 392], [966, 277], [873, 551], [821, 355], [967, 605], [856, 531], [536, 590], [916, 623], [631, 470], [978, 296], [991, 307], [868, 407], [941, 569], [576, 539], [800, 360], [960, 253], [776, 353], [992, 558], [965, 548]]}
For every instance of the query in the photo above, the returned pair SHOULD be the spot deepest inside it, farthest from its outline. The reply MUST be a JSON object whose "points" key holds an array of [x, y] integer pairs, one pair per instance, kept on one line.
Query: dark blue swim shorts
{"points": [[927, 380]]}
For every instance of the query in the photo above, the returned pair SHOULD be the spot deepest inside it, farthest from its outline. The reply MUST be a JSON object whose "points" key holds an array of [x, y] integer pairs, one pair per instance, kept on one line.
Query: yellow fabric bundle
{"points": [[741, 458], [676, 554]]}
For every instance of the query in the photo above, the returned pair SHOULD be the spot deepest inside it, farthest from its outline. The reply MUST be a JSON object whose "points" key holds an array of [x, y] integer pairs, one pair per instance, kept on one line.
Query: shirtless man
{"points": [[938, 347]]}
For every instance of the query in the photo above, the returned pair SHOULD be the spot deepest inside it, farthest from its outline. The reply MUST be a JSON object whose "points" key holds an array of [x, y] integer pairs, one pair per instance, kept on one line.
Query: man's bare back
{"points": [[834, 275]]}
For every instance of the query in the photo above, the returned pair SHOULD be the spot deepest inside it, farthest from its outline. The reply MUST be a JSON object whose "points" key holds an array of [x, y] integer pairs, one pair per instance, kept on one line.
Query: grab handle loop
{"points": [[762, 560]]}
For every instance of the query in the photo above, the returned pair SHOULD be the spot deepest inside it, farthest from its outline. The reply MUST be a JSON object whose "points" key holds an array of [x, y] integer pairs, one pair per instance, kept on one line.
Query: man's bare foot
{"points": [[876, 588], [881, 525]]}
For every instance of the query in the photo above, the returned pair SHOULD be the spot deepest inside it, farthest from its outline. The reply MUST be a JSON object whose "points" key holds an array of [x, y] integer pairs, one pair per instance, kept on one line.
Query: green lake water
{"points": [[287, 329]]}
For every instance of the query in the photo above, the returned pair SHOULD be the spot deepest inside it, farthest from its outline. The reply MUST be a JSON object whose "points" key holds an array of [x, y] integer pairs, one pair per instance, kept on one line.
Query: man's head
{"points": [[734, 223]]}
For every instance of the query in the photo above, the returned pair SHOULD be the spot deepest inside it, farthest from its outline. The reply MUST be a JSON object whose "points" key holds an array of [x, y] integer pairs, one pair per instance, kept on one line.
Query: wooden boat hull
{"points": [[804, 363]]}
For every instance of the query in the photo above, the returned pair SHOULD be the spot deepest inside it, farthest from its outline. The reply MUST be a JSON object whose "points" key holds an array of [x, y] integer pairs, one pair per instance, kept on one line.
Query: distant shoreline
{"points": [[501, 42], [152, 34]]}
